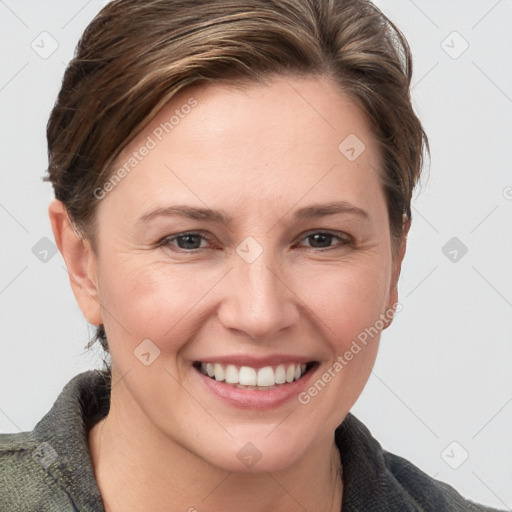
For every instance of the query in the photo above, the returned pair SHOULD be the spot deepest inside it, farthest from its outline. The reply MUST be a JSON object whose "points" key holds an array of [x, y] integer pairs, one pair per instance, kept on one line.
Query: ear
{"points": [[80, 262], [395, 274]]}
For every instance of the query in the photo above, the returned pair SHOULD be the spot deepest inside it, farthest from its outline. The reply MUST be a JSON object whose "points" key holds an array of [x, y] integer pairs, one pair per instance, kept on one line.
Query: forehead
{"points": [[281, 111], [276, 139]]}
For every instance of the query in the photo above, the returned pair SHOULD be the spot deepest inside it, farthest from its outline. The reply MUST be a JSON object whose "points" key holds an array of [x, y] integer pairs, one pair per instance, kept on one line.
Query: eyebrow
{"points": [[335, 208], [218, 216]]}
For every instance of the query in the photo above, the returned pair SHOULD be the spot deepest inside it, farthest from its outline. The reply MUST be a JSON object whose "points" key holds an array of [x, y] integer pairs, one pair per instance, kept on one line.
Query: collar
{"points": [[369, 477]]}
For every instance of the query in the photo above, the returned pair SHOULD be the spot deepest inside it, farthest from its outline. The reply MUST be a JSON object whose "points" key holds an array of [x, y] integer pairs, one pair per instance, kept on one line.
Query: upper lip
{"points": [[255, 361]]}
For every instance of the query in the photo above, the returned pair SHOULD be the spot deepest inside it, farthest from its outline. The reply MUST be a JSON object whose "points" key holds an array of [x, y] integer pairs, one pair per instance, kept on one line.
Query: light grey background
{"points": [[443, 374]]}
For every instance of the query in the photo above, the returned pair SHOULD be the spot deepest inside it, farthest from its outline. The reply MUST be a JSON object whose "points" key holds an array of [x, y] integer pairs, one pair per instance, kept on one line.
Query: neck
{"points": [[138, 468]]}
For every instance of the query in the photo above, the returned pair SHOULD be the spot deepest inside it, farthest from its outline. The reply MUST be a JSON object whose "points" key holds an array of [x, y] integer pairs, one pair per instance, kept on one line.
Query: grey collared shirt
{"points": [[50, 469]]}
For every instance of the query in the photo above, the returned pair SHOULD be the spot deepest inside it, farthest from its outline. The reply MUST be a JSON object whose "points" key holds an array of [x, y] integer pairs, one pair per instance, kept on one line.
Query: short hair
{"points": [[136, 55]]}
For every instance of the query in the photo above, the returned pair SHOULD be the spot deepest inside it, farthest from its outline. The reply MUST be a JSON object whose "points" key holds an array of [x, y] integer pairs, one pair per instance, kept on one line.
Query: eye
{"points": [[324, 239], [185, 241], [193, 241]]}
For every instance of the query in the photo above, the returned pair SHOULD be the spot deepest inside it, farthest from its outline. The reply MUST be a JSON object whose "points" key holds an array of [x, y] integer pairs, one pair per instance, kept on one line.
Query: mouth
{"points": [[255, 379]]}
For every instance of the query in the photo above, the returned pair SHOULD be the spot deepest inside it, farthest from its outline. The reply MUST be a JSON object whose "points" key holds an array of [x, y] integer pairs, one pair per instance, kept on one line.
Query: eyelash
{"points": [[346, 240]]}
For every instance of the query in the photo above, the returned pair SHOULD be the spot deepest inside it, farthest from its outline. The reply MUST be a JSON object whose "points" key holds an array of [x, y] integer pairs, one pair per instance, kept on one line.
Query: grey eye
{"points": [[189, 241], [320, 239]]}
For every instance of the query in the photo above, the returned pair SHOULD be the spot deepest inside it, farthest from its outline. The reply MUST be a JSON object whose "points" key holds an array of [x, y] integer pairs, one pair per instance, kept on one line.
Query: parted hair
{"points": [[136, 55]]}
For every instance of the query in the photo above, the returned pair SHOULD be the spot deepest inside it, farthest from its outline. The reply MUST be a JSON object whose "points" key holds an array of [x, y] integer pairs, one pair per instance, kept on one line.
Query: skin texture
{"points": [[258, 154]]}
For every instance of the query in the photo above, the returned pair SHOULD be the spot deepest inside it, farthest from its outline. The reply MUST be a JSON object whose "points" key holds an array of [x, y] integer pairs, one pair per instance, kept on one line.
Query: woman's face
{"points": [[244, 241]]}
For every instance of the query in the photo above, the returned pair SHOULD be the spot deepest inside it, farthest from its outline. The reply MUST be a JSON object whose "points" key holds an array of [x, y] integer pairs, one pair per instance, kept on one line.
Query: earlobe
{"points": [[80, 262]]}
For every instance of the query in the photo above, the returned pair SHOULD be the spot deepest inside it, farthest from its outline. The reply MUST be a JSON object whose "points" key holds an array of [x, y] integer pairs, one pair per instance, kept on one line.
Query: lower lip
{"points": [[255, 399]]}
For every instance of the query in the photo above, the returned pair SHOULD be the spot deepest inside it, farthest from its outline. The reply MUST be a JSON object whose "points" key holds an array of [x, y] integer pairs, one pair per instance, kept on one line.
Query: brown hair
{"points": [[137, 54]]}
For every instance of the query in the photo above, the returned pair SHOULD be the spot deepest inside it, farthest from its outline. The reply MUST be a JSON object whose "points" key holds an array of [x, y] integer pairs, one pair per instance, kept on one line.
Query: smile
{"points": [[247, 377]]}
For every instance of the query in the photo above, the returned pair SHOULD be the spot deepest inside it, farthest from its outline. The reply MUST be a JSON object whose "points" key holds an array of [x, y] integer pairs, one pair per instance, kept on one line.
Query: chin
{"points": [[253, 450], [255, 458]]}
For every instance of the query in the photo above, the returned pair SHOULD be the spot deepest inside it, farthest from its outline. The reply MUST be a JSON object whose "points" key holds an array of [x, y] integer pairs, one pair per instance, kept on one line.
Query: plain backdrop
{"points": [[441, 391]]}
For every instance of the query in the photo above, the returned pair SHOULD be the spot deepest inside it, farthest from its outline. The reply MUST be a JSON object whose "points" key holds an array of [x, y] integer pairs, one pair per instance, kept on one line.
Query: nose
{"points": [[258, 299]]}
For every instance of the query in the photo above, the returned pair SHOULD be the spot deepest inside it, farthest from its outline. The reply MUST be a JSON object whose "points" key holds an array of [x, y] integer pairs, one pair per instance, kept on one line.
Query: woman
{"points": [[233, 183]]}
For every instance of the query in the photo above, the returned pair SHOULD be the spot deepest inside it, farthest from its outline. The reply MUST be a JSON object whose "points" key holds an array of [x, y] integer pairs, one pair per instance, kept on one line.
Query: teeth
{"points": [[218, 372], [232, 374], [247, 376], [280, 376], [265, 377]]}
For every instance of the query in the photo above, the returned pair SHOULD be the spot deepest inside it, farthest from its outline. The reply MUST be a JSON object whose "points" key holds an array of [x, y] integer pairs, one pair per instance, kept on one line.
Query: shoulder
{"points": [[425, 490], [25, 483], [376, 480], [49, 468]]}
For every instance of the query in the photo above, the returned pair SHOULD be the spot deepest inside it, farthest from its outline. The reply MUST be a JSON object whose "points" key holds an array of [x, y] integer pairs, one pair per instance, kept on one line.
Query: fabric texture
{"points": [[50, 469]]}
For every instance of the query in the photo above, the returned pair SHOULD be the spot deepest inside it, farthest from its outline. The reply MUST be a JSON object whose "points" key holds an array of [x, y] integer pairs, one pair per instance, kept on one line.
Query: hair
{"points": [[136, 55]]}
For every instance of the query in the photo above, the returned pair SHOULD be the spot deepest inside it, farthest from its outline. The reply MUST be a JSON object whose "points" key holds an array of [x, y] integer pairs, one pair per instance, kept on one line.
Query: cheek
{"points": [[348, 304], [347, 298], [151, 300], [170, 303]]}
